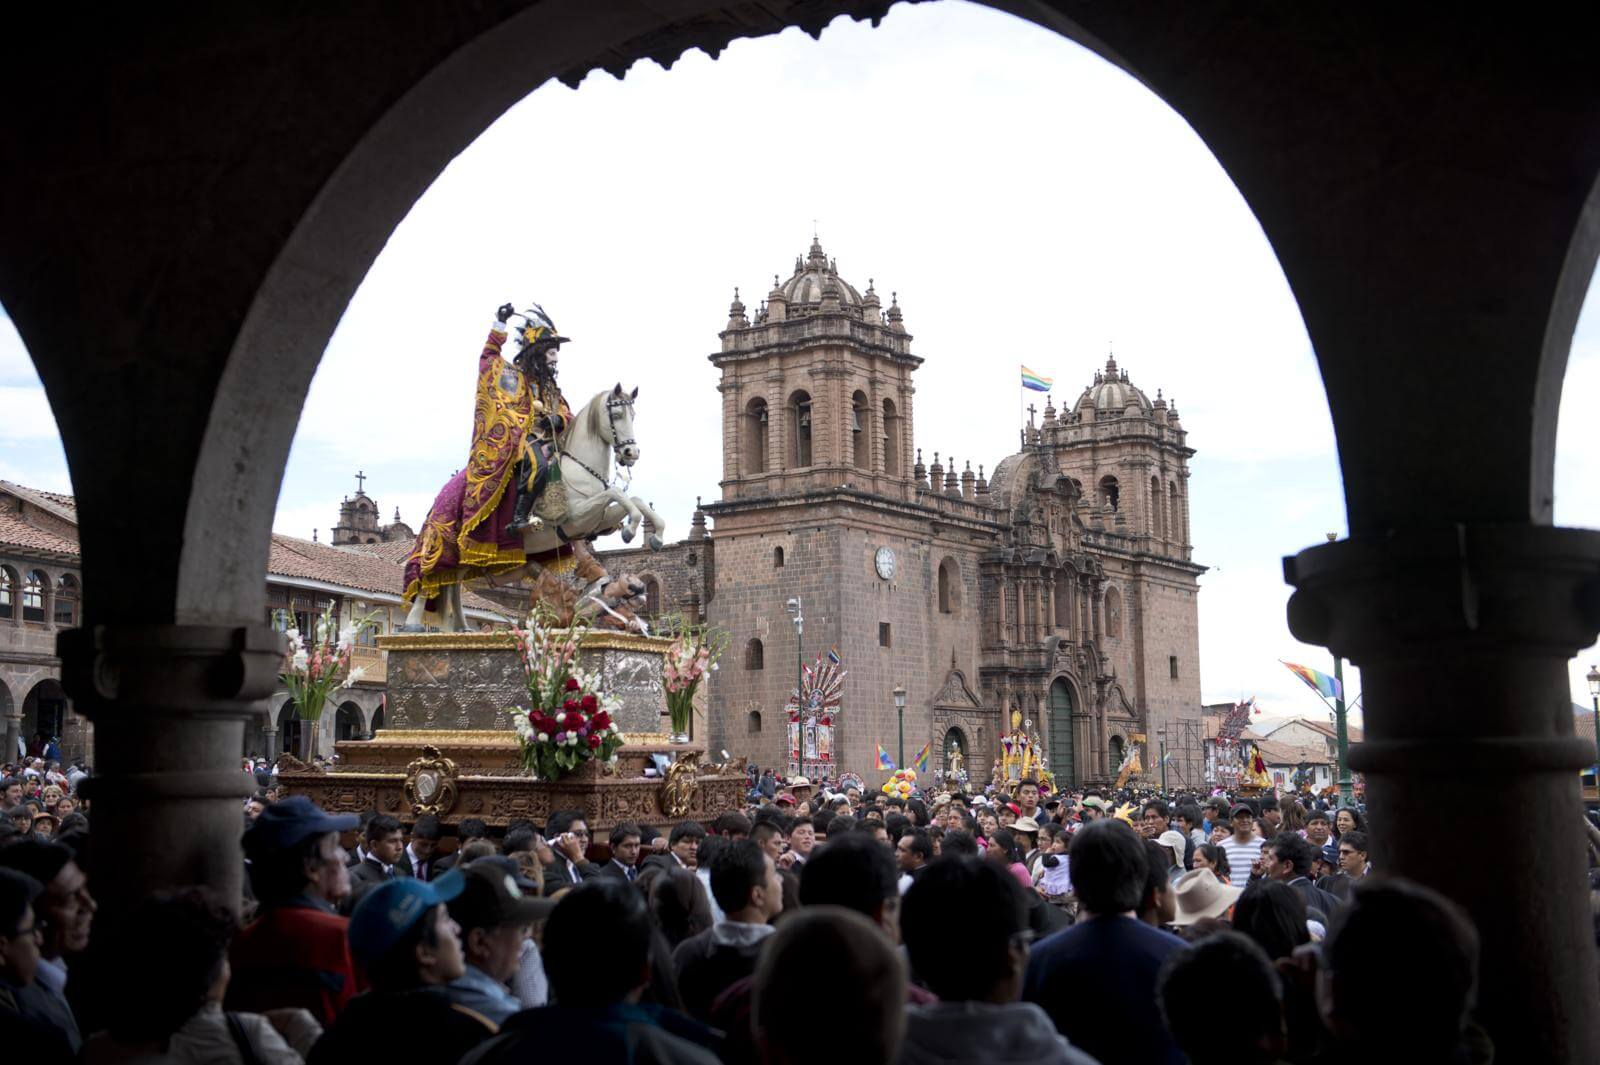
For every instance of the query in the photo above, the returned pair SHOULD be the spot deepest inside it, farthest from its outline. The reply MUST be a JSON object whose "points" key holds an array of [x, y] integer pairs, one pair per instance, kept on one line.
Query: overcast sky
{"points": [[630, 209]]}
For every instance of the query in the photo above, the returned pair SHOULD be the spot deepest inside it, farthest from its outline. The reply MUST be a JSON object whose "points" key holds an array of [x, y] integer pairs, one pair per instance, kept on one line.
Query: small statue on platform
{"points": [[1019, 756]]}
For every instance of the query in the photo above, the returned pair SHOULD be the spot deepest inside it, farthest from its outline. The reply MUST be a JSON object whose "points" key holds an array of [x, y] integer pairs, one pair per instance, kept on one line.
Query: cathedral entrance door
{"points": [[1061, 754]]}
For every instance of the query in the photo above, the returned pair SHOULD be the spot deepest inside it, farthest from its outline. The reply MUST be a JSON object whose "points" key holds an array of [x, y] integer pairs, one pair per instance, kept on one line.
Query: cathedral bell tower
{"points": [[816, 389]]}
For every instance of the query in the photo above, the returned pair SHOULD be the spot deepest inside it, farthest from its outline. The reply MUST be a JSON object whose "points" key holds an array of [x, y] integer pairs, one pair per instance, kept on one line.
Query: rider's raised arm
{"points": [[497, 337]]}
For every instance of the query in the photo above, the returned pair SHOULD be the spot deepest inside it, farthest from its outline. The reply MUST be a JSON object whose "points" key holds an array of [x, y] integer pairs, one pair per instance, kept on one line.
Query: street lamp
{"points": [[1594, 693], [900, 712], [799, 619], [1161, 733]]}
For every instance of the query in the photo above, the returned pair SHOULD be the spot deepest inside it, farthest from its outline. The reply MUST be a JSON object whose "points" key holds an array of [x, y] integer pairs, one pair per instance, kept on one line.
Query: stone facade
{"points": [[1064, 589]]}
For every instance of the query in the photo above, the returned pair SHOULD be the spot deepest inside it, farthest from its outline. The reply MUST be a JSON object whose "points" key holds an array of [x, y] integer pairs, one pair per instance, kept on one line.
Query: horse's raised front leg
{"points": [[655, 521]]}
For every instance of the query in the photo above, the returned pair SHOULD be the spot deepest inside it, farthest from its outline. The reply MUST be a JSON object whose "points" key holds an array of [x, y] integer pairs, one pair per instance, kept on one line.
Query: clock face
{"points": [[884, 560]]}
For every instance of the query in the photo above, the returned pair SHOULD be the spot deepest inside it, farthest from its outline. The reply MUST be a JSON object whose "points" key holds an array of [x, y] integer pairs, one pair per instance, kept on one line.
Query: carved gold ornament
{"points": [[677, 794], [431, 783]]}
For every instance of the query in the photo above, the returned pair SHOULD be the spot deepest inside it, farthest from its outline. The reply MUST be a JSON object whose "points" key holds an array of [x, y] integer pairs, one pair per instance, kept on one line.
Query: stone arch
{"points": [[347, 721], [1110, 492], [36, 597], [377, 719], [949, 590], [892, 466], [755, 656], [861, 431], [44, 710], [1175, 531], [801, 451], [752, 723], [1116, 750], [10, 594], [753, 437], [955, 736], [652, 596], [65, 611], [1113, 613], [777, 557], [291, 730]]}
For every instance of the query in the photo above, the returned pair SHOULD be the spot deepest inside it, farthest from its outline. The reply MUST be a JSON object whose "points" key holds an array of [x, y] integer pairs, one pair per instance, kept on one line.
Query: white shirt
{"points": [[416, 863], [1241, 856]]}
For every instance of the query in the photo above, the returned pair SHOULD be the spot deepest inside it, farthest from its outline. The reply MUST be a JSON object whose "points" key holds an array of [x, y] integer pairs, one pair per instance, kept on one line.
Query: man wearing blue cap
{"points": [[495, 912], [295, 953], [409, 947]]}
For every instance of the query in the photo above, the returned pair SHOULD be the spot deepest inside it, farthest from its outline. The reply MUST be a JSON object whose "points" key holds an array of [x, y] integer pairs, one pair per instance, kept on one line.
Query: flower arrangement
{"points": [[902, 782], [568, 719], [313, 669], [692, 654]]}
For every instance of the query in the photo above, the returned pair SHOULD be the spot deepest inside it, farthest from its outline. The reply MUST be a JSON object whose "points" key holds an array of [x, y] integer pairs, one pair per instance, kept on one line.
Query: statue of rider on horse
{"points": [[537, 486]]}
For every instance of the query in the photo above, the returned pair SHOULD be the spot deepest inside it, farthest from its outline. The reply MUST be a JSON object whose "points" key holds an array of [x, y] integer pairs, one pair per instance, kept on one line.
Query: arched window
{"points": [[1119, 751], [1174, 514], [891, 439], [33, 588], [1109, 492], [66, 601], [955, 744], [1113, 613], [949, 587], [777, 557], [1157, 526], [652, 596], [752, 723], [755, 437], [755, 655], [860, 438], [10, 587], [347, 722], [800, 430]]}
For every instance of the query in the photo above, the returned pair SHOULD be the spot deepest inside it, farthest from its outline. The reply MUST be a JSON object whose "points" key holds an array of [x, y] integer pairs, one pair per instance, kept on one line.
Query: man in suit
{"points": [[471, 828], [1097, 979], [1287, 857], [381, 848], [417, 859], [683, 847], [624, 863], [568, 836]]}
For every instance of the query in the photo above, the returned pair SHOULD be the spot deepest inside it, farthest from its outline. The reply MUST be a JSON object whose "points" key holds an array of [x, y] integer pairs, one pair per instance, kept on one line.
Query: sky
{"points": [[631, 209]]}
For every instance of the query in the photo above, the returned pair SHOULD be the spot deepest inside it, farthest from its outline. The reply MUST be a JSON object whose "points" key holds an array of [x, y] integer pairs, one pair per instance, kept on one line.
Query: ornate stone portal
{"points": [[451, 751]]}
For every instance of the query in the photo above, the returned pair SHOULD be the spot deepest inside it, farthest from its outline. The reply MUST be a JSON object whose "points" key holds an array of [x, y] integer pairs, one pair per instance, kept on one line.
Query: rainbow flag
{"points": [[1035, 381], [833, 655], [884, 761], [1324, 685], [920, 763]]}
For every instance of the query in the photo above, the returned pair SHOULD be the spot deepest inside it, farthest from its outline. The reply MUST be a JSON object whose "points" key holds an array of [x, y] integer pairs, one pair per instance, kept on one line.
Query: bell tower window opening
{"points": [[1109, 492], [860, 438], [800, 423], [754, 457], [949, 587], [891, 439], [777, 557], [755, 655]]}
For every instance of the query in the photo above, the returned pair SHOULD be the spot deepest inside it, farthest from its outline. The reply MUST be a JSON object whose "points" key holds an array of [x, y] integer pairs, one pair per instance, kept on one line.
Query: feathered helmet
{"points": [[538, 331]]}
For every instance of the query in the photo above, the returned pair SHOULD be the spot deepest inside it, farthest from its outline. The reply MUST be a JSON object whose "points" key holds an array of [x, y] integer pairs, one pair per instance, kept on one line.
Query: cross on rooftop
{"points": [[361, 481]]}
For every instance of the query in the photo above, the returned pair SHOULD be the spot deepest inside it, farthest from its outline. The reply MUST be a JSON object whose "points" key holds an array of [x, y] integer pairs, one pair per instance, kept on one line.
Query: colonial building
{"points": [[1061, 589], [40, 594]]}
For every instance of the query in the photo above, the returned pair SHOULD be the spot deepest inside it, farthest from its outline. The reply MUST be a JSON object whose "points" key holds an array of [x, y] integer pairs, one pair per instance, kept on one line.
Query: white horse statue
{"points": [[601, 429]]}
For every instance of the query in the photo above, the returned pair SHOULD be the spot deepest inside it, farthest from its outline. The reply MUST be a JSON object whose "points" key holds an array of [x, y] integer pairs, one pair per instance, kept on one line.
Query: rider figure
{"points": [[535, 365]]}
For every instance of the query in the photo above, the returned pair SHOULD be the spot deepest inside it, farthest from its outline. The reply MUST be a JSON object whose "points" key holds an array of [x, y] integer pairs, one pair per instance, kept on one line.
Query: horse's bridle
{"points": [[614, 403]]}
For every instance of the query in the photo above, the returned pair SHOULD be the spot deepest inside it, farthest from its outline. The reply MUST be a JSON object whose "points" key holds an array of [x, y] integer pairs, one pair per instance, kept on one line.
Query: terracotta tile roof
{"points": [[378, 568], [64, 507], [18, 533]]}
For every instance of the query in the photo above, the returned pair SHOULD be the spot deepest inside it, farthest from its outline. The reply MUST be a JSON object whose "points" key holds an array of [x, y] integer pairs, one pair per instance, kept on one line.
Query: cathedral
{"points": [[1059, 592]]}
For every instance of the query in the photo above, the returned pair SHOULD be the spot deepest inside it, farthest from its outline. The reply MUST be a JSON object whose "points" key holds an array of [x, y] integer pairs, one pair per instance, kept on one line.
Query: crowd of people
{"points": [[1008, 926]]}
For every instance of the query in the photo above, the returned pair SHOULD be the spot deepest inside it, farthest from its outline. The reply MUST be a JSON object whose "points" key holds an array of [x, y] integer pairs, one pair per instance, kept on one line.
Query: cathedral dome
{"points": [[813, 276], [1113, 393]]}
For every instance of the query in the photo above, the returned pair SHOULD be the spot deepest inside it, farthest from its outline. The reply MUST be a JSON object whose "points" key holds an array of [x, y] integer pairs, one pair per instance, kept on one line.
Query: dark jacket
{"points": [[556, 876], [1097, 981], [1320, 905], [421, 1025], [29, 1038], [613, 871], [642, 1035], [710, 962], [364, 876]]}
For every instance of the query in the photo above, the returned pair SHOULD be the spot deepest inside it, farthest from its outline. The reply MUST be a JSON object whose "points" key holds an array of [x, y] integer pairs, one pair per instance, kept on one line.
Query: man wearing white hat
{"points": [[1201, 895]]}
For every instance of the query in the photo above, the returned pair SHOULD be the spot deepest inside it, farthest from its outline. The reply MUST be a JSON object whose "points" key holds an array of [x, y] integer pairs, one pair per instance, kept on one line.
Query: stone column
{"points": [[13, 735], [169, 704], [1462, 634]]}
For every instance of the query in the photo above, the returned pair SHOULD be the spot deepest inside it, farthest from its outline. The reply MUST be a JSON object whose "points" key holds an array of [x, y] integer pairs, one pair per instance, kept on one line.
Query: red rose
{"points": [[601, 720], [594, 742], [574, 721], [590, 703], [572, 684], [570, 705]]}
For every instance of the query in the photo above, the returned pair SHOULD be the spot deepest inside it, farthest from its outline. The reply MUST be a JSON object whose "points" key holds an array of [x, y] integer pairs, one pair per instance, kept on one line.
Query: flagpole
{"points": [[1342, 732]]}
